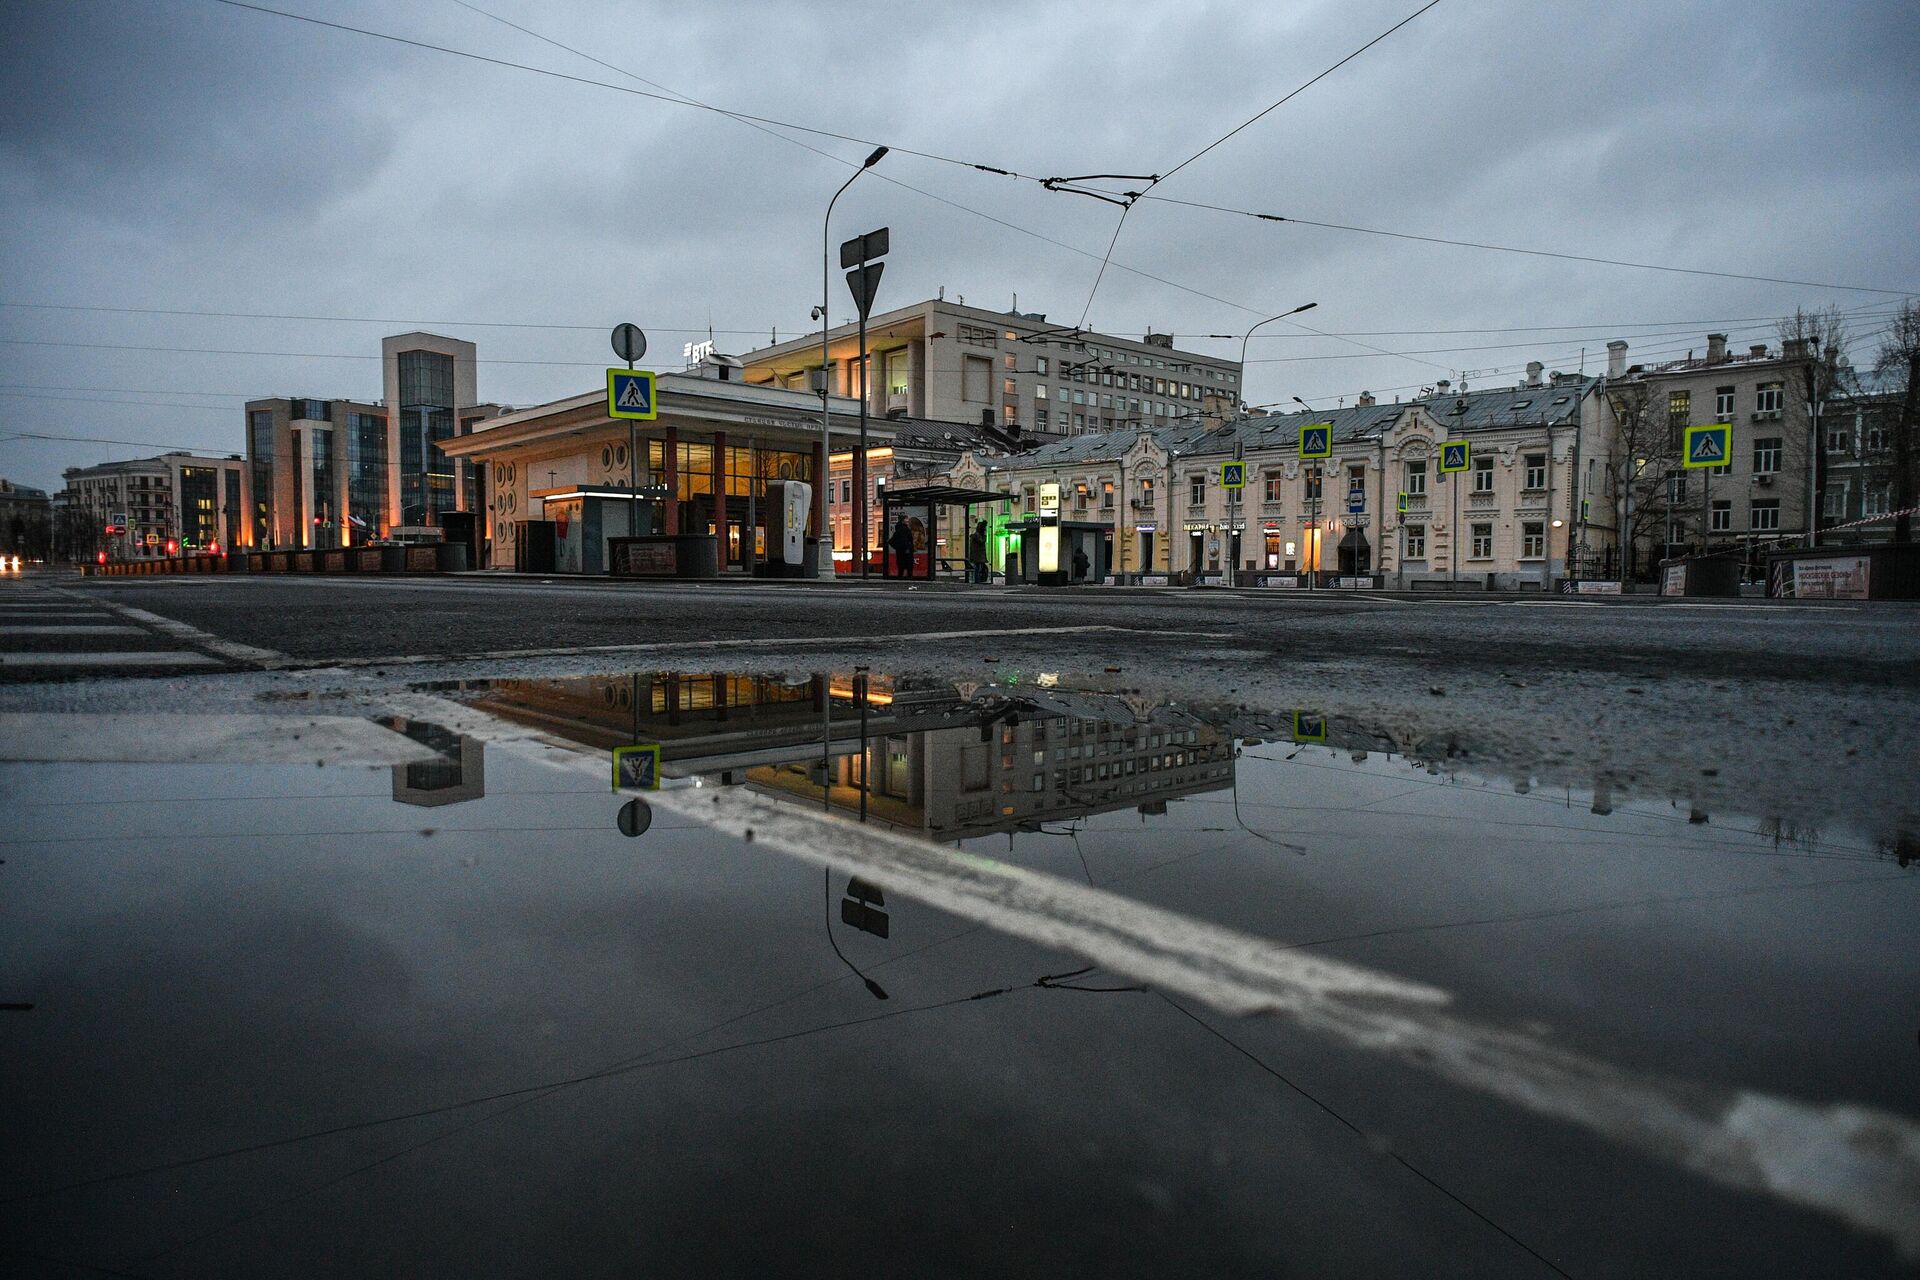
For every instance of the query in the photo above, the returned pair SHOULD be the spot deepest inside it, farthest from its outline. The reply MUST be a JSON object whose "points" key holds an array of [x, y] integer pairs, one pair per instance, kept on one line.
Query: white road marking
{"points": [[70, 629], [231, 650], [166, 658], [203, 739]]}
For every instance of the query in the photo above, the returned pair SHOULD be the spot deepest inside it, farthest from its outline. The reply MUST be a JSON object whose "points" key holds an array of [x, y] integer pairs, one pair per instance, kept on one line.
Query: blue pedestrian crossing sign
{"points": [[1455, 455], [1309, 726], [630, 394], [1233, 475], [637, 767], [1316, 440], [1709, 446]]}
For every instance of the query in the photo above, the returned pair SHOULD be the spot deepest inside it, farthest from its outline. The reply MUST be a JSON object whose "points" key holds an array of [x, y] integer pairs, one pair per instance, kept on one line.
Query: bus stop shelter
{"points": [[897, 500]]}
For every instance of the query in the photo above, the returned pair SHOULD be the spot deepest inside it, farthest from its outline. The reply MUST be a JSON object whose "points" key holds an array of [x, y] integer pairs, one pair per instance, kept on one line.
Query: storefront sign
{"points": [[1837, 578], [1049, 499]]}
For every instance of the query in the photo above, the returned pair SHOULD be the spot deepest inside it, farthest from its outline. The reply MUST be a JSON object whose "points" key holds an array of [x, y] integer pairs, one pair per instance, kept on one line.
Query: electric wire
{"points": [[1357, 1132], [1263, 112], [1536, 253], [602, 84]]}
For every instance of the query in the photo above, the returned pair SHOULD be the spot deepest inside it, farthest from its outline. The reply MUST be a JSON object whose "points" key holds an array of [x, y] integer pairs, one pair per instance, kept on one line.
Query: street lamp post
{"points": [[826, 415], [1239, 446], [1312, 538]]}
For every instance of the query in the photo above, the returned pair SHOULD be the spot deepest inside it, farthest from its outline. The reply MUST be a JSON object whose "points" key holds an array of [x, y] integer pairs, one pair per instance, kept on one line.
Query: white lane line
{"points": [[70, 629], [167, 658]]}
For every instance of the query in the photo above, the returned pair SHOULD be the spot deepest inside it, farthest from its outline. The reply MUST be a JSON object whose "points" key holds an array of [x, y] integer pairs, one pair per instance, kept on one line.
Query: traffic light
{"points": [[103, 557], [213, 548], [173, 548]]}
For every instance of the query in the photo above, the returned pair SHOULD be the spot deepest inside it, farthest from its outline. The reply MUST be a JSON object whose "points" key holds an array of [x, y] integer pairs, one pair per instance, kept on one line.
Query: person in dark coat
{"points": [[901, 541], [977, 570], [1081, 565]]}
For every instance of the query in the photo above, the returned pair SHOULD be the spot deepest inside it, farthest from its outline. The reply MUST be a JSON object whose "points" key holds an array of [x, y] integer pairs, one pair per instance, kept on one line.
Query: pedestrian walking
{"points": [[1081, 565], [977, 570], [901, 542]]}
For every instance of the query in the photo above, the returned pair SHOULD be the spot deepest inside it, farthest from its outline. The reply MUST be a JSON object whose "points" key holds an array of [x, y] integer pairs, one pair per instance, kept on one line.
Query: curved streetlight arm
{"points": [[1245, 338], [825, 538]]}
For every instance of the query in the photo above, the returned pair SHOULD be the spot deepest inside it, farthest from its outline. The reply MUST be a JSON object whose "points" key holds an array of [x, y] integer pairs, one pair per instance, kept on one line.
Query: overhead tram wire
{"points": [[1267, 110], [758, 121], [1535, 253], [681, 101], [1154, 180], [1592, 326]]}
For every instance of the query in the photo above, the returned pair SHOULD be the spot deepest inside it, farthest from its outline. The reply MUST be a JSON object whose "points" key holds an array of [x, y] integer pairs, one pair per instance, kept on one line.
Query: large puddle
{"points": [[449, 1016]]}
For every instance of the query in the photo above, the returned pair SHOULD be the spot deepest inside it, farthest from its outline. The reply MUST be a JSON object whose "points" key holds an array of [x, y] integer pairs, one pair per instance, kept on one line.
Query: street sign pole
{"points": [[1233, 518], [864, 282], [629, 343]]}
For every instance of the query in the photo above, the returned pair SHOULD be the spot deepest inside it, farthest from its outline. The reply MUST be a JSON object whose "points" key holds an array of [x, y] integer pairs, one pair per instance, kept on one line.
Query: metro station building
{"points": [[702, 468]]}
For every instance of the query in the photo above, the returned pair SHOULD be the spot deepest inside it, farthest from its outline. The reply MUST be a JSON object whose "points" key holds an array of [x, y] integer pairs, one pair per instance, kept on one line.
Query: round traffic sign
{"points": [[628, 342], [635, 817]]}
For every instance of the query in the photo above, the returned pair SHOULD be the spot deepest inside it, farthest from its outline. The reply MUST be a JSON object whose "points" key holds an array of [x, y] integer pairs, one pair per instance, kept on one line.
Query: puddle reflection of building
{"points": [[1019, 760], [917, 757], [457, 773]]}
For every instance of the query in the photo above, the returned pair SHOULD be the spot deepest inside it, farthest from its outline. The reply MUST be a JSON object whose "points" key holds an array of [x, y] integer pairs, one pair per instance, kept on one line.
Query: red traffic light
{"points": [[213, 548], [173, 548], [103, 557]]}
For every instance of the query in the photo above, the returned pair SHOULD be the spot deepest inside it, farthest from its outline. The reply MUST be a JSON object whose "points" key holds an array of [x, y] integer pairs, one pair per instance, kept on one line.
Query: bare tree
{"points": [[1821, 338], [1899, 363], [1647, 454]]}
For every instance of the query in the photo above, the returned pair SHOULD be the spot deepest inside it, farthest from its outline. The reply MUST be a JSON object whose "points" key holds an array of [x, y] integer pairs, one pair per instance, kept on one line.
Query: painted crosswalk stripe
{"points": [[72, 629], [170, 658]]}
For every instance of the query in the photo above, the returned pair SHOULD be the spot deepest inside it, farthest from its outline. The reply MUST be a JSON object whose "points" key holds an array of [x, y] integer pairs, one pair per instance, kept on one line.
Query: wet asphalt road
{"points": [[1786, 711], [1838, 643]]}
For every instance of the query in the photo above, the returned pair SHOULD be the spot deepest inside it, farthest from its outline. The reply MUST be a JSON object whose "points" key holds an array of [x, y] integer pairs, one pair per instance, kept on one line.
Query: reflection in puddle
{"points": [[458, 773], [945, 761]]}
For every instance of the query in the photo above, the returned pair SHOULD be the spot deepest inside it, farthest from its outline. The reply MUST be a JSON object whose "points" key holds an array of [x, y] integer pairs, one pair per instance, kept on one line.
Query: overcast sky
{"points": [[184, 154]]}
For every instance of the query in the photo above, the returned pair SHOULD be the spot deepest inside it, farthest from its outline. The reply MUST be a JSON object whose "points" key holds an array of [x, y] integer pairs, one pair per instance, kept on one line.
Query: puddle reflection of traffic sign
{"points": [[630, 394], [1454, 455], [1233, 475], [1309, 726], [637, 768], [1316, 440], [1709, 446]]}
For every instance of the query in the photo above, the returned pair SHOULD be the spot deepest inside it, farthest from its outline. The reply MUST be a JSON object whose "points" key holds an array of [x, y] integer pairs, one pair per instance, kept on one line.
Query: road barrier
{"points": [[421, 558]]}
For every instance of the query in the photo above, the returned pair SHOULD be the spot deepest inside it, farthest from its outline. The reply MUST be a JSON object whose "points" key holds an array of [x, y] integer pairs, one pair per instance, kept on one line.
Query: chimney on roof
{"points": [[1616, 359], [1366, 398], [1533, 372], [1441, 387], [1758, 351], [1164, 340], [1798, 348], [1716, 348]]}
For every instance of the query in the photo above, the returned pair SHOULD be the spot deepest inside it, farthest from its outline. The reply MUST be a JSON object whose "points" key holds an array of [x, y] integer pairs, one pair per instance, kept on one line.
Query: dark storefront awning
{"points": [[942, 495]]}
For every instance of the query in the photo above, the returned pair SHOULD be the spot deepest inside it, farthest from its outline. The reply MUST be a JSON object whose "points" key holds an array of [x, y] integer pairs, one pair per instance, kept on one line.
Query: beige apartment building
{"points": [[945, 360], [1761, 498], [1522, 515], [175, 502]]}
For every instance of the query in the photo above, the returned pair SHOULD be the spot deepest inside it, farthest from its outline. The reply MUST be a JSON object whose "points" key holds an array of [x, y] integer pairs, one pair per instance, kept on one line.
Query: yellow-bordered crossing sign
{"points": [[630, 394], [1708, 446]]}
